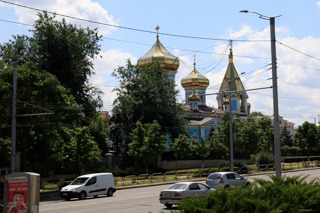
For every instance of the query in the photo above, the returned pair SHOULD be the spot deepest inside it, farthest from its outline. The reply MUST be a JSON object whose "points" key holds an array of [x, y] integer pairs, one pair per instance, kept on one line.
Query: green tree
{"points": [[216, 144], [307, 137], [286, 137], [202, 149], [82, 150], [68, 52], [182, 145], [254, 114], [62, 49], [265, 134], [40, 139], [145, 94], [147, 142], [247, 137]]}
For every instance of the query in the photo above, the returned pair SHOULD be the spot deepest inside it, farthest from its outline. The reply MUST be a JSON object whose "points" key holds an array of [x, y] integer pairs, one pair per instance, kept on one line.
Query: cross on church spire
{"points": [[157, 28], [194, 56]]}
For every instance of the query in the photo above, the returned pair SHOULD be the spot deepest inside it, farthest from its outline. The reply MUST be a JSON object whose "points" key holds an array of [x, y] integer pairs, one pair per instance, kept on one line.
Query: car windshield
{"points": [[178, 186], [214, 176], [79, 181]]}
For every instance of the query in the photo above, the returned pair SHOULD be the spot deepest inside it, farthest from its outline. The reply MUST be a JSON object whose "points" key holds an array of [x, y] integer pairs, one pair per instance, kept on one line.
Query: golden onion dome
{"points": [[248, 105], [158, 53], [213, 112], [194, 79], [193, 97], [226, 102]]}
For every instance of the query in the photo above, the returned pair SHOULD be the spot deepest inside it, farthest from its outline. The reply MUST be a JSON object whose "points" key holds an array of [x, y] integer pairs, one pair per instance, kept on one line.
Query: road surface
{"points": [[136, 200]]}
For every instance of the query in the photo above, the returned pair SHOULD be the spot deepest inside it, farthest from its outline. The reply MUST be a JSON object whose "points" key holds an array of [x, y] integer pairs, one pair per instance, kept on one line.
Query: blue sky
{"points": [[298, 74]]}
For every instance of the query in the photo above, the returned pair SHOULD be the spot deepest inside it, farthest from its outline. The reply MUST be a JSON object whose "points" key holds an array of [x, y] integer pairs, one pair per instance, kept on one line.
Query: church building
{"points": [[201, 118]]}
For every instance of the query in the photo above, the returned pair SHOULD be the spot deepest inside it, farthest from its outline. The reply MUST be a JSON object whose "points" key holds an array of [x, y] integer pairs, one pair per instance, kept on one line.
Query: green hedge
{"points": [[300, 159], [285, 194]]}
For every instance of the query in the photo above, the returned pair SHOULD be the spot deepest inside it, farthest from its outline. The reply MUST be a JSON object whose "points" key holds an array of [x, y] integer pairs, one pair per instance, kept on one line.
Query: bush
{"points": [[130, 171], [300, 159], [284, 194], [263, 158], [224, 165]]}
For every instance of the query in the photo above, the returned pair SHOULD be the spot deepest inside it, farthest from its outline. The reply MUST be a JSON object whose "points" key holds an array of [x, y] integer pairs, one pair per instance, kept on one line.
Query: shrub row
{"points": [[300, 159], [285, 194]]}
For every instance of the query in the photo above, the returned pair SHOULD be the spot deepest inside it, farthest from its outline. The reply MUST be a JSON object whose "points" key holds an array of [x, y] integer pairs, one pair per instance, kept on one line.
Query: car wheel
{"points": [[248, 184], [82, 196], [169, 206], [226, 187], [67, 198], [110, 192]]}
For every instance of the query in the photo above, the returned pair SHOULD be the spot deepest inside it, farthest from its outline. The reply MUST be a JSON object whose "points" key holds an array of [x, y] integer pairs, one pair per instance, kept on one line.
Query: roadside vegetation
{"points": [[284, 194]]}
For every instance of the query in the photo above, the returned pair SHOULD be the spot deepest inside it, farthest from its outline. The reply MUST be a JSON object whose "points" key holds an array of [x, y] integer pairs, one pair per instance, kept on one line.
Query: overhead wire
{"points": [[298, 50], [122, 27]]}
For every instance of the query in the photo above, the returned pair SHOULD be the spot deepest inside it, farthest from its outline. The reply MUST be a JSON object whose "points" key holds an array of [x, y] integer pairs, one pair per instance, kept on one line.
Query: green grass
{"points": [[130, 181]]}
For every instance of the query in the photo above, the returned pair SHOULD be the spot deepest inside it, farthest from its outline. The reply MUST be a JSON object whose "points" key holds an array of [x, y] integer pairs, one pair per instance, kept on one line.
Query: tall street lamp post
{"points": [[277, 147]]}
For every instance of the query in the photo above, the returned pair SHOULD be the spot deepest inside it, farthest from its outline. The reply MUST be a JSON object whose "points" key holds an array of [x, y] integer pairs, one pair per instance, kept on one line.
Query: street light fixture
{"points": [[277, 147]]}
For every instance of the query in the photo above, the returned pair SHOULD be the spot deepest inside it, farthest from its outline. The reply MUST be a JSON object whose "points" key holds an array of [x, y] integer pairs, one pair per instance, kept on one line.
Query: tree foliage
{"points": [[54, 66], [62, 49], [182, 145], [82, 149], [286, 137], [147, 141], [307, 136], [145, 94], [39, 138], [201, 148]]}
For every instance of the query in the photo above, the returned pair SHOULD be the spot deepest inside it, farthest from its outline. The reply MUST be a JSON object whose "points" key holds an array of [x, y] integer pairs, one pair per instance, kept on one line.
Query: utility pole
{"points": [[231, 139], [13, 122], [277, 146], [14, 119]]}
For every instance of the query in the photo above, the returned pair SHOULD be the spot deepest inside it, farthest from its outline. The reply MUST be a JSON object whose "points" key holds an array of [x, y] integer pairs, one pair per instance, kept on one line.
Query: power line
{"points": [[127, 28], [298, 51], [287, 97]]}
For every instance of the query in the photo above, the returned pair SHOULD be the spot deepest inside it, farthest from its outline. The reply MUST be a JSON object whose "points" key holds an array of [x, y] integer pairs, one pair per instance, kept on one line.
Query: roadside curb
{"points": [[57, 194]]}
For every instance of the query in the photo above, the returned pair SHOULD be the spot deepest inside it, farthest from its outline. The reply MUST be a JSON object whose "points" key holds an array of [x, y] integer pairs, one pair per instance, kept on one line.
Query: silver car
{"points": [[174, 193], [226, 179]]}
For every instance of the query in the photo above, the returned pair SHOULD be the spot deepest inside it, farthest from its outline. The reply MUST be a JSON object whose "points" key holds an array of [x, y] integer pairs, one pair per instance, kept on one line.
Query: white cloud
{"points": [[111, 60], [184, 69], [84, 9], [318, 3]]}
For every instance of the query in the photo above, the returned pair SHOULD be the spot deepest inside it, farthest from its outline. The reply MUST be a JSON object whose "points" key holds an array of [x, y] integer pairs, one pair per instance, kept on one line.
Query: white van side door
{"points": [[92, 187]]}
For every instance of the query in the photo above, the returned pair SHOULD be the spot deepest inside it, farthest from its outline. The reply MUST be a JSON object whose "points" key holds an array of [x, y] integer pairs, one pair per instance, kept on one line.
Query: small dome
{"points": [[194, 79], [213, 112], [248, 105], [158, 53], [225, 102], [193, 97]]}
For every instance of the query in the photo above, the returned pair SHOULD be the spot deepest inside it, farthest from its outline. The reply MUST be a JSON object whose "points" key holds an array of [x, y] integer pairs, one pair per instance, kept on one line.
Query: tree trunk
{"points": [[176, 164], [202, 163]]}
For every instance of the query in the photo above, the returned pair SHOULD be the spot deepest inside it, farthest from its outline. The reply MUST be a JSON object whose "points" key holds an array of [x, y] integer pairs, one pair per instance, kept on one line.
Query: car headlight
{"points": [[74, 190]]}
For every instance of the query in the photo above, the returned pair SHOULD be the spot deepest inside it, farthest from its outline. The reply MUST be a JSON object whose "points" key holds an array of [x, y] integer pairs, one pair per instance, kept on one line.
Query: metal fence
{"points": [[192, 174]]}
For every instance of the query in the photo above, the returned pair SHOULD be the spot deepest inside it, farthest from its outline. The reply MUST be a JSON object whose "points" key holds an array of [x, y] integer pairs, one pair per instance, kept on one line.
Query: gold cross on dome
{"points": [[157, 28], [194, 56]]}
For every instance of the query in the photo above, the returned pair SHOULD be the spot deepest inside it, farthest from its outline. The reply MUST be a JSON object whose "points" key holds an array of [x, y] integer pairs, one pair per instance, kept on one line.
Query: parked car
{"points": [[226, 179], [89, 185], [175, 192]]}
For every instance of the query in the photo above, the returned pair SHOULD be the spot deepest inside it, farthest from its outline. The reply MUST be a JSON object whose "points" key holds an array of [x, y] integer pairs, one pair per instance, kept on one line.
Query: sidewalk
{"points": [[57, 194]]}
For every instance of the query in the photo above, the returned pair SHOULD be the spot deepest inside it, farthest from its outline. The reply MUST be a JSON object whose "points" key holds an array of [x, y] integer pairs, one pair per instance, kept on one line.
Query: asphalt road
{"points": [[136, 200]]}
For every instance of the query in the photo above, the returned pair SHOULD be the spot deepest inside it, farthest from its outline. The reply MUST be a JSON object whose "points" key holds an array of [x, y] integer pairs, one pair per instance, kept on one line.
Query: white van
{"points": [[89, 185]]}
